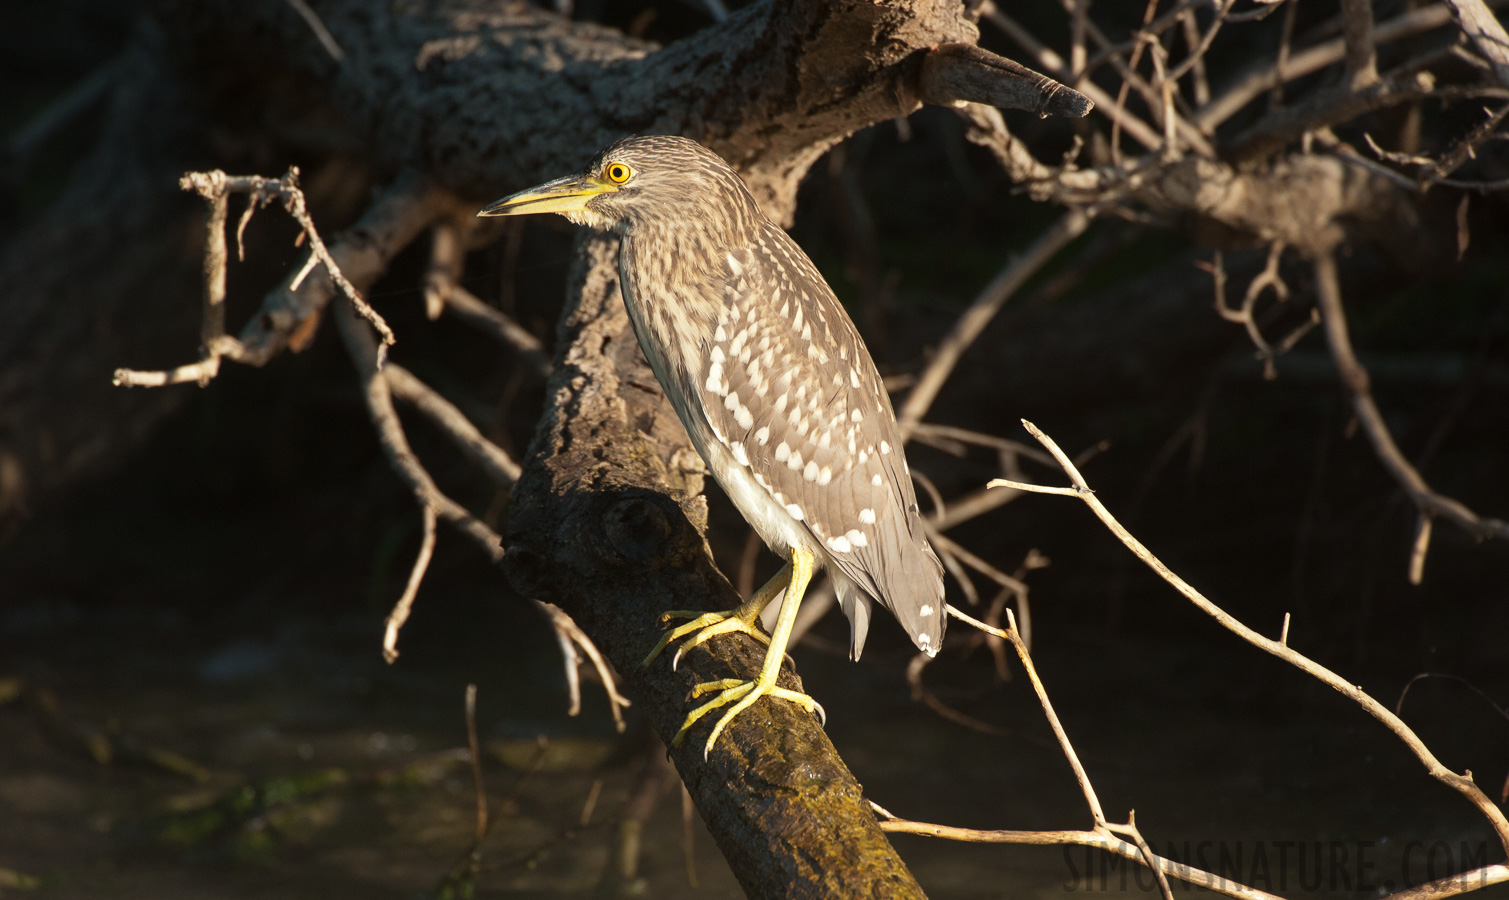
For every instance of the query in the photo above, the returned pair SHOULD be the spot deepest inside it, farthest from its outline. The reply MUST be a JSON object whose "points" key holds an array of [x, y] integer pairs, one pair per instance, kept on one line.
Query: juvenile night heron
{"points": [[776, 391]]}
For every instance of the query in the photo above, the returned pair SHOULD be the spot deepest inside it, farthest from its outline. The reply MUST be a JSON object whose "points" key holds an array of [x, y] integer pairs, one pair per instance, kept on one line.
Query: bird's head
{"points": [[659, 181]]}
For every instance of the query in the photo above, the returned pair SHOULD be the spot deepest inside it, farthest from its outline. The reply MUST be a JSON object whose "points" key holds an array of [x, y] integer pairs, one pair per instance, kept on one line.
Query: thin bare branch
{"points": [[1196, 58], [571, 634], [1199, 83], [474, 745], [1355, 379], [1463, 784], [1014, 637], [310, 17], [456, 426], [982, 310], [1263, 78], [405, 604], [921, 693], [1056, 66], [385, 232], [466, 306], [363, 352]]}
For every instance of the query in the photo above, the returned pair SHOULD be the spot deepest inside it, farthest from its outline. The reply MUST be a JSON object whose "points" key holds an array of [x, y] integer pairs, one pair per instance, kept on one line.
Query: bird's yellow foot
{"points": [[707, 626], [742, 694], [793, 579]]}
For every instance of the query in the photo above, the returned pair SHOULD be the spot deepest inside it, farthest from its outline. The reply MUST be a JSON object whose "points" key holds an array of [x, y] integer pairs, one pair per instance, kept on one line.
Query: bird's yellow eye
{"points": [[619, 172]]}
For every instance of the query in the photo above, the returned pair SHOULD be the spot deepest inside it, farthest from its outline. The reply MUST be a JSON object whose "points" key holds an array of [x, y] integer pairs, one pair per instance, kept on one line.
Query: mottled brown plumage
{"points": [[766, 371]]}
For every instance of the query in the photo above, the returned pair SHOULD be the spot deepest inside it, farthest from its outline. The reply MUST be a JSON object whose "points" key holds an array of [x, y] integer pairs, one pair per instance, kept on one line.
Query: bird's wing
{"points": [[794, 394]]}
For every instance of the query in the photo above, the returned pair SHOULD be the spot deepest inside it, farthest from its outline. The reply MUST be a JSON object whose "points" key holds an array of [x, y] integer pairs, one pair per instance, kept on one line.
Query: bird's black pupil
{"points": [[617, 173]]}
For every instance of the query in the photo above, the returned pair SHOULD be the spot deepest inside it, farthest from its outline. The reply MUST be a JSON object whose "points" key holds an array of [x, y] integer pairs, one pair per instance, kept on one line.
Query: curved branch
{"points": [[1462, 784], [1355, 379]]}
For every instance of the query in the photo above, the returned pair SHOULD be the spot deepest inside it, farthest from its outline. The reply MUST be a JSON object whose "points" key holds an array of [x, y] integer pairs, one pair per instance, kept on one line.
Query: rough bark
{"points": [[490, 97]]}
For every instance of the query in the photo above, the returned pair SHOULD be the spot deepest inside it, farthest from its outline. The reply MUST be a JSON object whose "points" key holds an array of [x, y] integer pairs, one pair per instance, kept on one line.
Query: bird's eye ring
{"points": [[618, 172]]}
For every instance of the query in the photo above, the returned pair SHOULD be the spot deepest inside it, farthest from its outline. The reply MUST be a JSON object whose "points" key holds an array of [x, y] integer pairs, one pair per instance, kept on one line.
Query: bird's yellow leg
{"points": [[744, 693], [710, 625]]}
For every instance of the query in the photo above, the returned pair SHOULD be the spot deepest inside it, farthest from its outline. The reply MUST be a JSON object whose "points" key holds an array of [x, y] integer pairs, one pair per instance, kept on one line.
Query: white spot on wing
{"points": [[783, 452], [763, 435], [867, 516], [925, 611], [743, 416], [840, 543], [740, 456], [810, 472], [857, 538], [884, 447], [794, 511], [876, 479]]}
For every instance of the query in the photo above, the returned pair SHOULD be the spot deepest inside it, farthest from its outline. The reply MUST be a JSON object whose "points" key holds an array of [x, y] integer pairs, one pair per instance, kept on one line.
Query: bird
{"points": [[777, 392]]}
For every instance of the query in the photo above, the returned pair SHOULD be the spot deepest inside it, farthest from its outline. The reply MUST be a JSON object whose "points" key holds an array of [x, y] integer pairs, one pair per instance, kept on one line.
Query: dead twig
{"points": [[363, 351], [969, 325], [1462, 784], [405, 604], [1261, 79], [1268, 279], [570, 637], [453, 423], [921, 693], [216, 187], [1055, 65], [1354, 379], [469, 308], [317, 25]]}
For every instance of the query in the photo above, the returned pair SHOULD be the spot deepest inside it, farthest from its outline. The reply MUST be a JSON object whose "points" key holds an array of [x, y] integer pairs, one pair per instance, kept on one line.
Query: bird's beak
{"points": [[564, 195]]}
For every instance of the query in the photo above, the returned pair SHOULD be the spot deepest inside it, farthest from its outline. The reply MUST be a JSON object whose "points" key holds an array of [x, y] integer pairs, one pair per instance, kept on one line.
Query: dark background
{"points": [[217, 590]]}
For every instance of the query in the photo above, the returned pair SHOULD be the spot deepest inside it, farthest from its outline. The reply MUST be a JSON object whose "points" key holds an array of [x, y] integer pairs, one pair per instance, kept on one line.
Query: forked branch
{"points": [[1462, 784]]}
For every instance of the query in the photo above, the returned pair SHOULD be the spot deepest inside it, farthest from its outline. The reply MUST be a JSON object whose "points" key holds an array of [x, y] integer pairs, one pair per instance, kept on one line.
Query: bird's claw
{"points": [[707, 626], [742, 694]]}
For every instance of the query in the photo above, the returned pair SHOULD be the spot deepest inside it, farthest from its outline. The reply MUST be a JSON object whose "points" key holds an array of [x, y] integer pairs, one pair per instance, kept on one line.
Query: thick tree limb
{"points": [[956, 73]]}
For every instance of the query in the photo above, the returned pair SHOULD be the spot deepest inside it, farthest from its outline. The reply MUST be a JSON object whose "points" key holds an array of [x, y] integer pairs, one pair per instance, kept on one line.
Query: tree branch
{"points": [[1462, 784], [1486, 33], [956, 73], [1354, 378]]}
